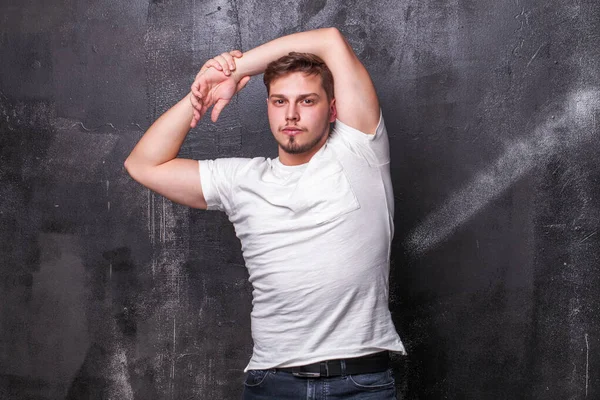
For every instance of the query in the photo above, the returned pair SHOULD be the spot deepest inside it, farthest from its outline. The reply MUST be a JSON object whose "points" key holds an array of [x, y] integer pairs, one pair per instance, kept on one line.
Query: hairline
{"points": [[302, 96]]}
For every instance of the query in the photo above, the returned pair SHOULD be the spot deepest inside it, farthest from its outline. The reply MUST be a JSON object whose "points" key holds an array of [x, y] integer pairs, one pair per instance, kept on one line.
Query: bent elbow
{"points": [[128, 165], [336, 39], [132, 169], [335, 34]]}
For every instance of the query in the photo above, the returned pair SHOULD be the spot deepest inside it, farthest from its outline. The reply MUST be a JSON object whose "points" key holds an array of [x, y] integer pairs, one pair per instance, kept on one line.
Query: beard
{"points": [[291, 145]]}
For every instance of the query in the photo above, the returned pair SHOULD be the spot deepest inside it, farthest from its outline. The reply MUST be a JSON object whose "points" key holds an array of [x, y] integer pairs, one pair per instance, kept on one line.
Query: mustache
{"points": [[292, 127]]}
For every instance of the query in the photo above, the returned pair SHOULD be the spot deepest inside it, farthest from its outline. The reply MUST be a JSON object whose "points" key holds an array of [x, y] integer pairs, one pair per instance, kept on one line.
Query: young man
{"points": [[315, 223]]}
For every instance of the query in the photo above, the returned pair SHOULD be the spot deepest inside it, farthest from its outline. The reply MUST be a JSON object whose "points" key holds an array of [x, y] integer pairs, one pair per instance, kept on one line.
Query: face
{"points": [[299, 112]]}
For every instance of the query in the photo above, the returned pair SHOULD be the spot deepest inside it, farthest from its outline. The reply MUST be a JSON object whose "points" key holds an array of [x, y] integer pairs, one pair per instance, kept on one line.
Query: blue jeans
{"points": [[278, 385]]}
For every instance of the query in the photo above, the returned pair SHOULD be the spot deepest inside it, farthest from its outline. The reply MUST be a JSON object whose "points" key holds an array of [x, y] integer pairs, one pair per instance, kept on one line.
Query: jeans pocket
{"points": [[373, 381], [255, 377]]}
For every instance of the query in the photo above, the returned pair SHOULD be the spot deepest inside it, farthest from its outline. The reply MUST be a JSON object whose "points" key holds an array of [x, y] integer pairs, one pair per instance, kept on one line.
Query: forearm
{"points": [[321, 42], [162, 141]]}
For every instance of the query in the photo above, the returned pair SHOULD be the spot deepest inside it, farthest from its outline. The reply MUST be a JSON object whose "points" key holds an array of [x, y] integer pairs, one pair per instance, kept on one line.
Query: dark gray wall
{"points": [[108, 291]]}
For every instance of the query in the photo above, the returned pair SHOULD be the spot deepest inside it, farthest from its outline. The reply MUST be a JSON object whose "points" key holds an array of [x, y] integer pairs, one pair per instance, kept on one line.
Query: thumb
{"points": [[242, 83], [219, 106]]}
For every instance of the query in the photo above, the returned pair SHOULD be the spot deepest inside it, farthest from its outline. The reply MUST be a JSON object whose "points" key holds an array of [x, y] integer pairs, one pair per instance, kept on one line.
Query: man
{"points": [[315, 223]]}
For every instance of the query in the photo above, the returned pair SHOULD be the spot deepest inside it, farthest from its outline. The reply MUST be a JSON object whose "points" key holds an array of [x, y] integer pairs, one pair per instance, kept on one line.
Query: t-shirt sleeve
{"points": [[218, 178], [375, 149]]}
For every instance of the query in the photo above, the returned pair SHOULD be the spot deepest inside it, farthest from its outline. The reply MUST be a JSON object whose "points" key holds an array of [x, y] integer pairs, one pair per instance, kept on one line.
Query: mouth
{"points": [[291, 130]]}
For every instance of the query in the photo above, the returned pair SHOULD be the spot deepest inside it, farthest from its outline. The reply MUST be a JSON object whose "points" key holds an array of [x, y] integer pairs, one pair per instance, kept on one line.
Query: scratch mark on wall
{"points": [[213, 12], [94, 129], [523, 18], [561, 226], [588, 236], [519, 158], [238, 32], [535, 54], [163, 221], [193, 41], [587, 364], [153, 220], [517, 47], [174, 358], [149, 212], [107, 189]]}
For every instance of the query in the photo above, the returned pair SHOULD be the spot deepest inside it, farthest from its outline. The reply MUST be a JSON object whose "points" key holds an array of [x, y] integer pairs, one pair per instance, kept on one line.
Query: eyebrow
{"points": [[301, 97]]}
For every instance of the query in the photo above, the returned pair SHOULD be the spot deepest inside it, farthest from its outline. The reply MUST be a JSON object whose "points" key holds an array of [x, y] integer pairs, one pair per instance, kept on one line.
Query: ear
{"points": [[332, 111]]}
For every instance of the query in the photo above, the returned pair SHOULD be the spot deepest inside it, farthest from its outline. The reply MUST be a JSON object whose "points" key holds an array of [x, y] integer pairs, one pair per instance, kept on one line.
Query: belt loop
{"points": [[343, 365]]}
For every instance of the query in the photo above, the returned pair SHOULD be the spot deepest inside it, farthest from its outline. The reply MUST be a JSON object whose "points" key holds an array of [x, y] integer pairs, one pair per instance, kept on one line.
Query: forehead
{"points": [[297, 83]]}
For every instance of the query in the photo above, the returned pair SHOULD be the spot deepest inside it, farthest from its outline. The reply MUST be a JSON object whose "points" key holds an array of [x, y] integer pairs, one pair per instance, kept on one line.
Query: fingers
{"points": [[219, 106], [223, 62], [196, 89], [211, 63], [196, 106], [194, 100], [236, 53], [227, 60], [195, 119], [227, 63], [200, 93], [196, 114], [198, 110], [242, 83]]}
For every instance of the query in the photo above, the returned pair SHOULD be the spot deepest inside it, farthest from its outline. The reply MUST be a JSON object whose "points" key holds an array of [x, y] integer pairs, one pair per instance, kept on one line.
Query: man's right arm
{"points": [[154, 163]]}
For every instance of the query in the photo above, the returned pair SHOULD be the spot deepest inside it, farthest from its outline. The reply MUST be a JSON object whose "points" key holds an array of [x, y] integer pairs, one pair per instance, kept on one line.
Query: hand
{"points": [[214, 85], [224, 62]]}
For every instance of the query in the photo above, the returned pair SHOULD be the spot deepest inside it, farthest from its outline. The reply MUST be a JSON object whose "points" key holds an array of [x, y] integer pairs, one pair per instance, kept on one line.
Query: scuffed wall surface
{"points": [[108, 291]]}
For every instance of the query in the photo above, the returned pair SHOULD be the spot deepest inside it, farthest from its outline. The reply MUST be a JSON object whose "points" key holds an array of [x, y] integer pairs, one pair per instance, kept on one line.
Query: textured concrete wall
{"points": [[108, 291]]}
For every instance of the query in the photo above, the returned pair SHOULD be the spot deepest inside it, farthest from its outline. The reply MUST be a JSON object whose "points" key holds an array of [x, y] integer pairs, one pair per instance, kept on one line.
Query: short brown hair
{"points": [[308, 63]]}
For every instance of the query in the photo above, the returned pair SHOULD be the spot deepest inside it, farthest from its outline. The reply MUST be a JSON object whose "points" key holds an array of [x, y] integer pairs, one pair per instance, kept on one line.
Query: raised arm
{"points": [[153, 161], [356, 99]]}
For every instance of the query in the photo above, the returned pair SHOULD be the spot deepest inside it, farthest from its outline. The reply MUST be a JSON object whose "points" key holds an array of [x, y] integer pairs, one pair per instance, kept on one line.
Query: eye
{"points": [[308, 101], [278, 102]]}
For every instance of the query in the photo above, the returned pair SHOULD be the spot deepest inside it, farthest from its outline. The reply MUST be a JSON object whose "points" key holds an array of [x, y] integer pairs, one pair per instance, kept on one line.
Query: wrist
{"points": [[236, 75]]}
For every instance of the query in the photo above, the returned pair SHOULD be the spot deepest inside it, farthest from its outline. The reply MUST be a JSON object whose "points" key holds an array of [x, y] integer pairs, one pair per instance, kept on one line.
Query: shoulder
{"points": [[228, 169], [341, 128], [372, 148], [233, 163]]}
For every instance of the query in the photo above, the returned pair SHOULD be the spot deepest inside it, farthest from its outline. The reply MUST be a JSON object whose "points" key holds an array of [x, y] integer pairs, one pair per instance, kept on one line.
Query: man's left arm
{"points": [[356, 100]]}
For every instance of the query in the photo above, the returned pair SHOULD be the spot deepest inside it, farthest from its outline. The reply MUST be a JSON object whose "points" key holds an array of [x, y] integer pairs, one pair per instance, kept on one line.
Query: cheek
{"points": [[274, 118], [275, 111], [318, 116]]}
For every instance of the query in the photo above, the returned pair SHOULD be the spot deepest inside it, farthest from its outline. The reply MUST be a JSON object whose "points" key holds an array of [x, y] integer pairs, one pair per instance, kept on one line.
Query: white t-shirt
{"points": [[316, 240]]}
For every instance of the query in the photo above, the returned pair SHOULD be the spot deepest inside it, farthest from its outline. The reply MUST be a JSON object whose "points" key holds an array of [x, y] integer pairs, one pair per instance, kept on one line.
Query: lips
{"points": [[291, 130]]}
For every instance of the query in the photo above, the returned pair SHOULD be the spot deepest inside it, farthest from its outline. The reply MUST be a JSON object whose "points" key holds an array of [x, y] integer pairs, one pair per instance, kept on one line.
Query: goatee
{"points": [[291, 146]]}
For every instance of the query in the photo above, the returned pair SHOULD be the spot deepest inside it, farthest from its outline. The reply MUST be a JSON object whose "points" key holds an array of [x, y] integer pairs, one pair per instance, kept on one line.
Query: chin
{"points": [[292, 146]]}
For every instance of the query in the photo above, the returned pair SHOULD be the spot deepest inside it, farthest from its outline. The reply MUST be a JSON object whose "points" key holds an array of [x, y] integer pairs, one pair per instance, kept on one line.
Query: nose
{"points": [[292, 113]]}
